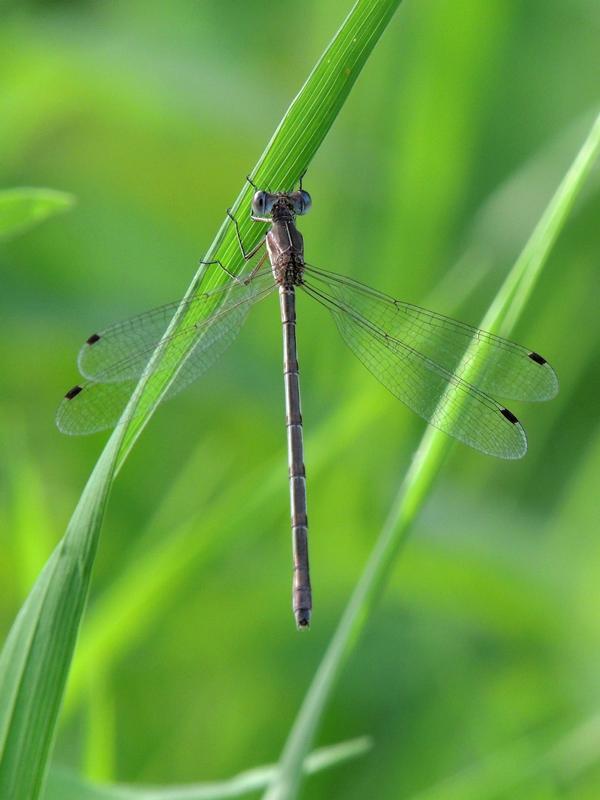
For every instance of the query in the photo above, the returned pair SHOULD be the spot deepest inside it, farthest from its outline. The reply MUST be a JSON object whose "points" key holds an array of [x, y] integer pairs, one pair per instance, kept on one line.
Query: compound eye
{"points": [[262, 204], [301, 202]]}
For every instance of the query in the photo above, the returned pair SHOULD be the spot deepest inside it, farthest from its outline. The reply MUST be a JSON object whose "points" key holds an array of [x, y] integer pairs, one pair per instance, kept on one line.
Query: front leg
{"points": [[250, 253], [248, 279]]}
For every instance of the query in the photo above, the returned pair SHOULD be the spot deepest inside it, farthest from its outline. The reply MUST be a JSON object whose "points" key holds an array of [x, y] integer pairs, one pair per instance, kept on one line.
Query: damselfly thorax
{"points": [[284, 242]]}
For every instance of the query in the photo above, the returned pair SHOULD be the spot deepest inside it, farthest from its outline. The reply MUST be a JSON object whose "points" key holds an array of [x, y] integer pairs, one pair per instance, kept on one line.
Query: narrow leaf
{"points": [[21, 209], [509, 772], [65, 785]]}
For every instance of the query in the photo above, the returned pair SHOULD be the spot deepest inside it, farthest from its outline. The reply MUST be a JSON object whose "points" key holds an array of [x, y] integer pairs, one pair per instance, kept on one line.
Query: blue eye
{"points": [[301, 202], [262, 203]]}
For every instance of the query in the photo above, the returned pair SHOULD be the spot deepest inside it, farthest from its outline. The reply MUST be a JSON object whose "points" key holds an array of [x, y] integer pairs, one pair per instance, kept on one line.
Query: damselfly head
{"points": [[265, 203]]}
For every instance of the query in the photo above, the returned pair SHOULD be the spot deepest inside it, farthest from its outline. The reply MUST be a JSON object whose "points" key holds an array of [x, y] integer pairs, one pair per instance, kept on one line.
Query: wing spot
{"points": [[509, 415], [93, 338], [73, 392], [537, 358]]}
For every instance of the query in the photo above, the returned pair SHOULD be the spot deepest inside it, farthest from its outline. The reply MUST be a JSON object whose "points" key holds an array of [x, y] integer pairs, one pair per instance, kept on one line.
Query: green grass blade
{"points": [[35, 660], [24, 208], [36, 656], [64, 785], [506, 772], [505, 310]]}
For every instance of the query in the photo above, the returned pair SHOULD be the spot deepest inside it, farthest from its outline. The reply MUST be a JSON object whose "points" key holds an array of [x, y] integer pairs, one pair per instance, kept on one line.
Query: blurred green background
{"points": [[481, 665]]}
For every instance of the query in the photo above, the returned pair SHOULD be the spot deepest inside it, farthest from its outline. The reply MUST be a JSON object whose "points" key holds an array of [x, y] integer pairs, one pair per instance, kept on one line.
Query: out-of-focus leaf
{"points": [[66, 785], [503, 773], [21, 209]]}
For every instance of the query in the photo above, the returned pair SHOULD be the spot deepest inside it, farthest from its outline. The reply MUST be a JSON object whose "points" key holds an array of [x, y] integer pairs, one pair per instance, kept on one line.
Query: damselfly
{"points": [[445, 371]]}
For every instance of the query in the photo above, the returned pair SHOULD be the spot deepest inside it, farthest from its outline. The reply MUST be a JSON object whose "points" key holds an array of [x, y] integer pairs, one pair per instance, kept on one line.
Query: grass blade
{"points": [[512, 769], [505, 310], [24, 208], [64, 785], [35, 660]]}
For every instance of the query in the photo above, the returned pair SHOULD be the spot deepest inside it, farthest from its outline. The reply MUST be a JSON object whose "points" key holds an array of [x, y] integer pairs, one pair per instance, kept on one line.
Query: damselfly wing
{"points": [[453, 375]]}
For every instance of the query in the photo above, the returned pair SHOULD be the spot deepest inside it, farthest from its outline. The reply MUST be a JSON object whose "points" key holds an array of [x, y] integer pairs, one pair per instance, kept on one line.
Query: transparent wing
{"points": [[494, 365], [130, 343], [118, 356], [442, 398]]}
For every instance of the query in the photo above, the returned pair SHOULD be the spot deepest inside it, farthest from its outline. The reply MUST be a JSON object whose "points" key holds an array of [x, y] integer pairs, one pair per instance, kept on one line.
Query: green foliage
{"points": [[64, 785], [21, 209], [477, 674], [503, 314], [35, 660]]}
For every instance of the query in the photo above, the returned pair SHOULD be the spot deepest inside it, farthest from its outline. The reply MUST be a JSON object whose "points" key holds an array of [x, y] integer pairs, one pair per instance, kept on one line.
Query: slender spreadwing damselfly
{"points": [[445, 371]]}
